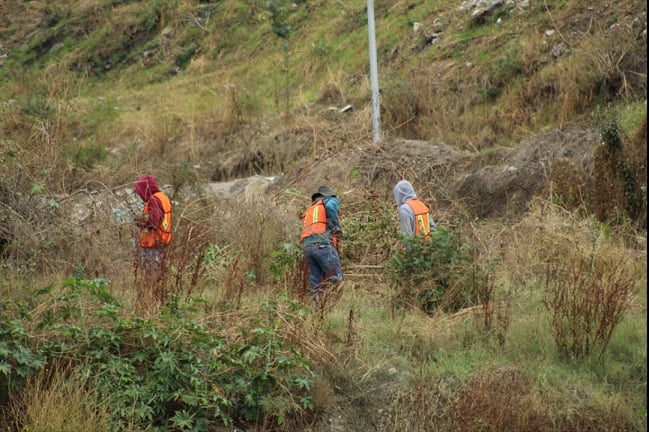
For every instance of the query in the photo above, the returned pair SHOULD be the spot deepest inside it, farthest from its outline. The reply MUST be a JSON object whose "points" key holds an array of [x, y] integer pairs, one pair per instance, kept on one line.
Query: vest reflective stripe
{"points": [[161, 235], [315, 220], [422, 218]]}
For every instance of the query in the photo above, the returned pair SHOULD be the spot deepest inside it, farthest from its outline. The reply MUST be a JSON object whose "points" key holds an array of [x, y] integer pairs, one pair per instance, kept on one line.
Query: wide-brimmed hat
{"points": [[323, 191]]}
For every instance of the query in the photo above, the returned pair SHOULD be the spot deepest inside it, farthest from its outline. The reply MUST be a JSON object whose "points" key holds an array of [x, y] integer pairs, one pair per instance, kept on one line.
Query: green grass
{"points": [[631, 115], [454, 348]]}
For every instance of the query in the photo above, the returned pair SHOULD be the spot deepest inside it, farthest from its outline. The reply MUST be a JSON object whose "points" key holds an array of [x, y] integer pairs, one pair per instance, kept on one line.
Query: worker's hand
{"points": [[335, 238]]}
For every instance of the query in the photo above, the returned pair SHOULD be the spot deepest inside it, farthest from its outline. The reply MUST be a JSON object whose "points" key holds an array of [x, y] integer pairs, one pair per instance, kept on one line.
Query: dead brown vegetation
{"points": [[586, 304]]}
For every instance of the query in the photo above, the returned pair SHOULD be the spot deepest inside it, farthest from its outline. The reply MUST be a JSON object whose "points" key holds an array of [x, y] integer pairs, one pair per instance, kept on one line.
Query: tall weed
{"points": [[585, 304]]}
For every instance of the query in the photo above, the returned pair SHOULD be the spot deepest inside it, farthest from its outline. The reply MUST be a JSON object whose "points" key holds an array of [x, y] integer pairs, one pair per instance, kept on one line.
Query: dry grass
{"points": [[500, 399], [425, 406], [55, 401], [549, 233]]}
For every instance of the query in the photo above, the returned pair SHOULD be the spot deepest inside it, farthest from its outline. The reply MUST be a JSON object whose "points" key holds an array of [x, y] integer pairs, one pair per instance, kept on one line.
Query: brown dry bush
{"points": [[492, 316], [330, 295], [569, 185], [253, 227], [635, 148], [502, 399], [303, 330], [594, 417], [609, 200], [586, 304], [505, 399]]}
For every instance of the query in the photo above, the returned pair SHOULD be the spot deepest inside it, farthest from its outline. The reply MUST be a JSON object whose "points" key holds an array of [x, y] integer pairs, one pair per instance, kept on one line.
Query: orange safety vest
{"points": [[315, 220], [422, 218], [161, 235]]}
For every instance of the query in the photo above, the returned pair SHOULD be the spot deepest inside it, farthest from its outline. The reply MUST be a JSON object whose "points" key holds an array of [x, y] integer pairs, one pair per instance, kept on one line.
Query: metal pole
{"points": [[374, 75]]}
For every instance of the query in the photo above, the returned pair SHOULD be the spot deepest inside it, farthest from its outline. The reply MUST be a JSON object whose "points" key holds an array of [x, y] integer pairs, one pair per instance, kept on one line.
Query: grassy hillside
{"points": [[534, 322]]}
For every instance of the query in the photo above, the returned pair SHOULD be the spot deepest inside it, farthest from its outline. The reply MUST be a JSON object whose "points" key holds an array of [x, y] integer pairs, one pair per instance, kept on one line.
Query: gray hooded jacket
{"points": [[404, 191]]}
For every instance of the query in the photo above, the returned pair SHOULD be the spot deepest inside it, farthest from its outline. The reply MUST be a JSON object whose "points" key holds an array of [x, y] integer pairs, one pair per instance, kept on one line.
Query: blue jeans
{"points": [[324, 267]]}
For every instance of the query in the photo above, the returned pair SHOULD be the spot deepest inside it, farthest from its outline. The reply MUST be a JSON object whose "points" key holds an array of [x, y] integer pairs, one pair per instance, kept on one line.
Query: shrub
{"points": [[168, 372], [493, 316], [501, 399], [585, 305], [433, 274], [369, 233], [619, 185], [289, 266], [18, 358]]}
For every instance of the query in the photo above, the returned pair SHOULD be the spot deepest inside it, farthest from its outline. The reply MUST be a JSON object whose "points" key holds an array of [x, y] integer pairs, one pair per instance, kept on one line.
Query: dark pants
{"points": [[324, 267], [150, 278], [152, 261]]}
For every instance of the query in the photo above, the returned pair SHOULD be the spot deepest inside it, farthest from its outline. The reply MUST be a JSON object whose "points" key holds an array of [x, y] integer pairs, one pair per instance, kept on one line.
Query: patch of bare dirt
{"points": [[500, 182], [506, 186]]}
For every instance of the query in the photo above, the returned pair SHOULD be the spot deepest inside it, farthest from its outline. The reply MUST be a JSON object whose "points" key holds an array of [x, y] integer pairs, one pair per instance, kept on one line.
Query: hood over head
{"points": [[323, 191], [146, 186], [403, 191]]}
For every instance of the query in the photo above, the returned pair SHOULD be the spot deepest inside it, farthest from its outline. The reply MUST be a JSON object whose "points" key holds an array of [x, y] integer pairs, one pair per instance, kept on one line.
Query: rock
{"points": [[559, 50]]}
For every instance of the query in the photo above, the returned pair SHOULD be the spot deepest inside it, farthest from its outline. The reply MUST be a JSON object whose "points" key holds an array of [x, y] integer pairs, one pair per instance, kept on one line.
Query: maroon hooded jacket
{"points": [[145, 187]]}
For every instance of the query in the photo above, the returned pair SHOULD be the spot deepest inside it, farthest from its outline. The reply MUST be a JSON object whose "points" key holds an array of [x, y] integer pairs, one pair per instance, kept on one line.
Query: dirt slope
{"points": [[492, 184]]}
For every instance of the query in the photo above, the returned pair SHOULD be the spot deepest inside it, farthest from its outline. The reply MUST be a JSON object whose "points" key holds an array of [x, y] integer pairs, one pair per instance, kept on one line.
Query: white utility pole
{"points": [[374, 74]]}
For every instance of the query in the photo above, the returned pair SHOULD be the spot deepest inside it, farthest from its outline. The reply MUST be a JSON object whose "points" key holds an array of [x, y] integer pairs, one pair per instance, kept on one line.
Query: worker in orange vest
{"points": [[414, 216], [320, 236], [154, 224]]}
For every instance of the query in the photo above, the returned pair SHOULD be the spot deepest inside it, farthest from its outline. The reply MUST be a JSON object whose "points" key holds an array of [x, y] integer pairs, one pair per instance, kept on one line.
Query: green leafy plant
{"points": [[168, 372], [606, 121], [369, 233], [269, 372], [18, 358], [433, 272], [284, 259]]}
